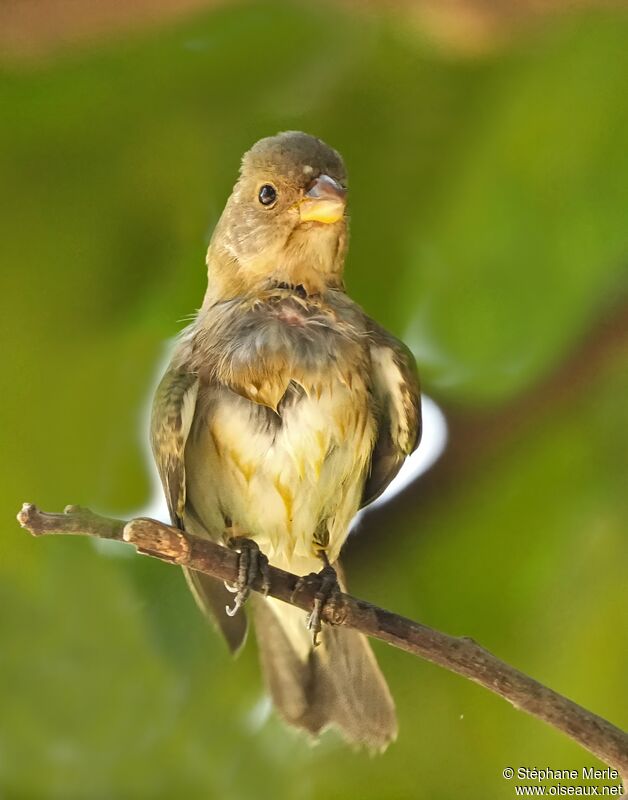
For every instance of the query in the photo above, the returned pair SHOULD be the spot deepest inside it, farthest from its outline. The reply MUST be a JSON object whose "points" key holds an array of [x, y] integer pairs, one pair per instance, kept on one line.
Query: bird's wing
{"points": [[395, 387], [173, 413]]}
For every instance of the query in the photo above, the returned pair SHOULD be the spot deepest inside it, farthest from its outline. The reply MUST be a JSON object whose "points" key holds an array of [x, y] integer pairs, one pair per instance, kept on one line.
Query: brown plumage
{"points": [[284, 410]]}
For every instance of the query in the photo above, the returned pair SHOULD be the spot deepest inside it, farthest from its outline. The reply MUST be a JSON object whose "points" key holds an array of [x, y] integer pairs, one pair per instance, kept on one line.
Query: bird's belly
{"points": [[292, 482]]}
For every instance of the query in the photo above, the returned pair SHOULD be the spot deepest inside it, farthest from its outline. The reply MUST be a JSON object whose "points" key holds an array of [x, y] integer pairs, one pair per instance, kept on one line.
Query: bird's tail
{"points": [[338, 683]]}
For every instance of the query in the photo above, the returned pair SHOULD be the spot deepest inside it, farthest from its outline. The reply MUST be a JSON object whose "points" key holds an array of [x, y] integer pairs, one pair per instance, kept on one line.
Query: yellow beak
{"points": [[324, 201]]}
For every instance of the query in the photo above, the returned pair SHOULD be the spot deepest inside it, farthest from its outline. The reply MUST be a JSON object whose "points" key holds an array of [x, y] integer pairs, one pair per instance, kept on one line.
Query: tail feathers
{"points": [[212, 597], [336, 684]]}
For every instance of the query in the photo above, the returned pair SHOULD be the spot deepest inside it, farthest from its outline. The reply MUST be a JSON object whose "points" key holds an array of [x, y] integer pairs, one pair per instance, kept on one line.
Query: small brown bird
{"points": [[284, 410]]}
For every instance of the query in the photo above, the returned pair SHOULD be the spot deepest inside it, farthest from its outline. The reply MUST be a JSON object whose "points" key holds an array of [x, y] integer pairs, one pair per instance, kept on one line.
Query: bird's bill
{"points": [[324, 201]]}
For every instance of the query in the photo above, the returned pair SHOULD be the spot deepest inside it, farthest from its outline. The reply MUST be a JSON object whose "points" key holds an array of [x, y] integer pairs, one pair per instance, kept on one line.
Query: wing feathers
{"points": [[395, 386], [173, 411]]}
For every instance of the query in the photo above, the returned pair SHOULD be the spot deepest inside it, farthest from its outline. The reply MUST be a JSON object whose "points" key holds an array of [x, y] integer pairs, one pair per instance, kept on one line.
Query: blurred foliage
{"points": [[488, 200]]}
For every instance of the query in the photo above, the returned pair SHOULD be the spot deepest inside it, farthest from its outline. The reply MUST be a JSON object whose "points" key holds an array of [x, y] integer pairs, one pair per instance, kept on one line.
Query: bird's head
{"points": [[285, 221]]}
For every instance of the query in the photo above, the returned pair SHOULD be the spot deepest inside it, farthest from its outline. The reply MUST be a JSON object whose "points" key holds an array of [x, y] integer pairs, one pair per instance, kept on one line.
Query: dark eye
{"points": [[267, 195]]}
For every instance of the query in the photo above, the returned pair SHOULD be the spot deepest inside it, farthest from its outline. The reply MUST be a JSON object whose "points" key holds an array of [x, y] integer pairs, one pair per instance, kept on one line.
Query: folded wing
{"points": [[395, 386]]}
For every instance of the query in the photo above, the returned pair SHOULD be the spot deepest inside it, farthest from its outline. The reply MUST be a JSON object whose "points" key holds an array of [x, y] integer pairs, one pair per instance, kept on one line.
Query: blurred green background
{"points": [[489, 189]]}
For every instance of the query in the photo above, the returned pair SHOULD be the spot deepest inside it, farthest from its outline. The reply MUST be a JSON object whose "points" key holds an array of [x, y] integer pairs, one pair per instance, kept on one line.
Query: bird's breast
{"points": [[260, 348], [290, 479], [285, 424]]}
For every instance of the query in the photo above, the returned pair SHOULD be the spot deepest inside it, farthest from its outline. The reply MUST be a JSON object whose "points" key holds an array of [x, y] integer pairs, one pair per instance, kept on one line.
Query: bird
{"points": [[284, 410]]}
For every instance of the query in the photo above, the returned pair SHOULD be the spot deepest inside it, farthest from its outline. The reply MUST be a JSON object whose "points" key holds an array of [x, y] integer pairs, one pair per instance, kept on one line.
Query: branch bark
{"points": [[457, 654]]}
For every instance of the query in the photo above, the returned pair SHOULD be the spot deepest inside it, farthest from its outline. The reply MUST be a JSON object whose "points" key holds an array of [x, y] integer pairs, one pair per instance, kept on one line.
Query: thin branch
{"points": [[458, 654]]}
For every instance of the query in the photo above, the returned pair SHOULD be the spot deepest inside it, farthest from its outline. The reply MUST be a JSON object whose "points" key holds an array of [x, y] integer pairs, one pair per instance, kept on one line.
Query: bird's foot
{"points": [[328, 589], [252, 564]]}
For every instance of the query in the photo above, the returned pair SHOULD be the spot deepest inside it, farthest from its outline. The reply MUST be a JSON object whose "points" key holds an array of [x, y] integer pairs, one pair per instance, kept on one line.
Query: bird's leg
{"points": [[328, 588], [252, 564]]}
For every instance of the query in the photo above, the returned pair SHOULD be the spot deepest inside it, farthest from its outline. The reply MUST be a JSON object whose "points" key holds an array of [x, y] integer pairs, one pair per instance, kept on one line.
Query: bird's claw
{"points": [[326, 592], [252, 564]]}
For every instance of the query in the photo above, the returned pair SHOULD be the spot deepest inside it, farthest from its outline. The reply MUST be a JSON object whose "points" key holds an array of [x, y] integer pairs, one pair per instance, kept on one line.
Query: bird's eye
{"points": [[267, 195]]}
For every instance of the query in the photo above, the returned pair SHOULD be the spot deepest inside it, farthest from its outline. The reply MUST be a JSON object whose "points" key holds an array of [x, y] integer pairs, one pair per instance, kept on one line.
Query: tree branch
{"points": [[461, 655]]}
